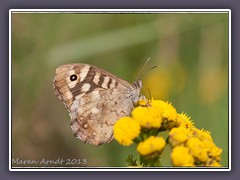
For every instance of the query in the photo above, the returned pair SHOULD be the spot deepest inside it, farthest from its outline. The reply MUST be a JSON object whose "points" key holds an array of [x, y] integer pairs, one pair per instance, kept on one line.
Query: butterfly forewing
{"points": [[95, 99]]}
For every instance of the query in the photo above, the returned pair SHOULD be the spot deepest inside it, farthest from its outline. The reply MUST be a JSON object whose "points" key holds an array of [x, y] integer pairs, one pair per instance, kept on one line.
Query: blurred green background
{"points": [[191, 50]]}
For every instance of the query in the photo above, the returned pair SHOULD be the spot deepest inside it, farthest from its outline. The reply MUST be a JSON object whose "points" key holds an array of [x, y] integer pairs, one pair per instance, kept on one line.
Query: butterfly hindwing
{"points": [[92, 121]]}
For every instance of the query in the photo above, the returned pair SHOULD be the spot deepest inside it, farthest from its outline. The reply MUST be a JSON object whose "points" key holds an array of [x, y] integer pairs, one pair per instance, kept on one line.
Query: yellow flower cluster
{"points": [[198, 144], [148, 115], [190, 146], [151, 145]]}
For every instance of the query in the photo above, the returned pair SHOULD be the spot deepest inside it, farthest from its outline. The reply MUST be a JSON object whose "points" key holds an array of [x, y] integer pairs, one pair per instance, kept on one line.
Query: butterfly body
{"points": [[95, 99]]}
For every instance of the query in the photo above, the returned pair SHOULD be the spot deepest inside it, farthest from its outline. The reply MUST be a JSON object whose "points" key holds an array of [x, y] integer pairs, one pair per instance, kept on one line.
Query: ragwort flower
{"points": [[178, 136], [151, 145], [126, 130], [190, 145], [158, 114], [166, 109], [182, 157], [185, 121], [168, 114], [197, 149], [147, 117]]}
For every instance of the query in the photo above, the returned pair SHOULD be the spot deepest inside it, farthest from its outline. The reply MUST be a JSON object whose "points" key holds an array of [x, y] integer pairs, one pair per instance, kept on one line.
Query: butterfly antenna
{"points": [[150, 70], [149, 92], [140, 72]]}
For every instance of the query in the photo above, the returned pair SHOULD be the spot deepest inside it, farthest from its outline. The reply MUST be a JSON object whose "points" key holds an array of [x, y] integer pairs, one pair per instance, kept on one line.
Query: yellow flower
{"points": [[166, 109], [181, 157], [215, 152], [178, 136], [153, 115], [168, 114], [185, 121], [147, 117], [197, 149], [151, 145], [126, 130], [213, 164], [202, 135]]}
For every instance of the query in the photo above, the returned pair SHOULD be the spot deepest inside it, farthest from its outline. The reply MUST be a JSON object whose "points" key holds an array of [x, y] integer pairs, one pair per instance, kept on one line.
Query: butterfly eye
{"points": [[73, 77]]}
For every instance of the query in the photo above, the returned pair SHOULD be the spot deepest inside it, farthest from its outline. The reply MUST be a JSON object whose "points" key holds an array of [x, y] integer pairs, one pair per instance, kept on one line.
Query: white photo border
{"points": [[114, 11]]}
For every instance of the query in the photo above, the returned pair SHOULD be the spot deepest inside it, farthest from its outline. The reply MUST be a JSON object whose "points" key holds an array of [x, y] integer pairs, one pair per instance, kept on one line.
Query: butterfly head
{"points": [[137, 84], [136, 95]]}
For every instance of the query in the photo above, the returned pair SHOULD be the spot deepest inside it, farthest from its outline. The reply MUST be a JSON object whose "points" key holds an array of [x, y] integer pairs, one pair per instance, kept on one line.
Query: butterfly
{"points": [[95, 99]]}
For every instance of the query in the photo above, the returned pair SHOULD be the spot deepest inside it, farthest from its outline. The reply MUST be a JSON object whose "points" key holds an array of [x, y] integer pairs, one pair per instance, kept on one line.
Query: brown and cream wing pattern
{"points": [[95, 99]]}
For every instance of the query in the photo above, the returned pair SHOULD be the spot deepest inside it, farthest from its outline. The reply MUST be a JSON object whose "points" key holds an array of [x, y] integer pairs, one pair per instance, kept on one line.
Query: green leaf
{"points": [[130, 161]]}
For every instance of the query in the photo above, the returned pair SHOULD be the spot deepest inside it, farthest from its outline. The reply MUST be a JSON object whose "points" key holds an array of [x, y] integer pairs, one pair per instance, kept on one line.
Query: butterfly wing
{"points": [[96, 99], [93, 115]]}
